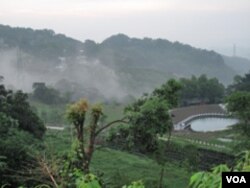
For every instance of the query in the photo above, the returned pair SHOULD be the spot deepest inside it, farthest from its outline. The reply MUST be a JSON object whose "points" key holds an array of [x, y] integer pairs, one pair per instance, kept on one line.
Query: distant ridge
{"points": [[136, 65]]}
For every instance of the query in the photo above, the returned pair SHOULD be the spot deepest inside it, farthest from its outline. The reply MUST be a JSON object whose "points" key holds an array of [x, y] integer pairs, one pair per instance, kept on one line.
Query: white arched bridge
{"points": [[182, 117]]}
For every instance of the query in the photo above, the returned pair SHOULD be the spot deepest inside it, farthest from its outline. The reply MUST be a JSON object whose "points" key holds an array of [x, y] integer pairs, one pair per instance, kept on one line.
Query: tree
{"points": [[20, 131], [201, 90], [47, 95], [169, 92], [16, 106], [213, 179], [86, 137], [208, 179], [1, 78], [240, 83], [238, 104], [149, 116], [17, 147]]}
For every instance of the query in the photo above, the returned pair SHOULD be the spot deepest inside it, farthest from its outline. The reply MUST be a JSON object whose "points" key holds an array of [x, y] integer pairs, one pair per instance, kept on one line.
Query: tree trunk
{"points": [[90, 149], [161, 177]]}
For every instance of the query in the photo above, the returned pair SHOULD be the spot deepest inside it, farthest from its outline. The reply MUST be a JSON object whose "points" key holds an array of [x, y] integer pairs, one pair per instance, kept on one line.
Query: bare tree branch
{"points": [[109, 124], [46, 168]]}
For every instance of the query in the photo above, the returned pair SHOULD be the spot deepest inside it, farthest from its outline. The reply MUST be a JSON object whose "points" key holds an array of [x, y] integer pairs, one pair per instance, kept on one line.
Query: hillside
{"points": [[172, 58], [239, 64], [116, 68], [43, 44]]}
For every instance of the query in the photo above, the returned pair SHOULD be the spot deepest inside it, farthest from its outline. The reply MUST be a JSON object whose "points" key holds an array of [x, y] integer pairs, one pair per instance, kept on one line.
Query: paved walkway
{"points": [[182, 116]]}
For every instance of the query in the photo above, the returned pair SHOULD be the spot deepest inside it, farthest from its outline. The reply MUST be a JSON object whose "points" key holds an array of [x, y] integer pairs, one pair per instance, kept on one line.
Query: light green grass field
{"points": [[120, 168]]}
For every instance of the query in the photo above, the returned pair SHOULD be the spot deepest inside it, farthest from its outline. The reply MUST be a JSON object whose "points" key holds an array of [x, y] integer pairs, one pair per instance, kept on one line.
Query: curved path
{"points": [[181, 117]]}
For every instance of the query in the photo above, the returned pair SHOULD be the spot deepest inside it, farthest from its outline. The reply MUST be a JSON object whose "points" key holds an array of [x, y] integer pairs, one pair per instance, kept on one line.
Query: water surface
{"points": [[212, 124]]}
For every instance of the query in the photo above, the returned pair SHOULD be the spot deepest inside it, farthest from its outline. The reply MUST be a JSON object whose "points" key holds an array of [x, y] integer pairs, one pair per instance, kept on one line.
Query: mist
{"points": [[21, 70]]}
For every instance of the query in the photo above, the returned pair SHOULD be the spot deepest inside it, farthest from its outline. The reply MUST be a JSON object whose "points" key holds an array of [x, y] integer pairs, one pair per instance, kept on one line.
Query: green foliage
{"points": [[113, 167], [87, 181], [192, 158], [50, 114], [160, 55], [16, 106], [238, 103], [77, 111], [213, 179], [208, 179], [44, 44], [243, 163], [3, 164], [85, 137], [19, 130], [135, 184], [169, 92], [42, 186], [241, 83], [47, 95], [149, 118], [18, 148], [201, 90], [123, 168]]}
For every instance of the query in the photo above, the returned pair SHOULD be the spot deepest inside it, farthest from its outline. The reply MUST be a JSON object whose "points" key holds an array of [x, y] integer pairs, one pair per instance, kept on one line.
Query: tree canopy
{"points": [[149, 116], [241, 83], [201, 90], [47, 95], [238, 104], [16, 106], [20, 132]]}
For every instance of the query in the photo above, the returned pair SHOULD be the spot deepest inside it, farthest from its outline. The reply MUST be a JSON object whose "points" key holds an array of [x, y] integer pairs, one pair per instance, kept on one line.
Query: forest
{"points": [[99, 114], [137, 147]]}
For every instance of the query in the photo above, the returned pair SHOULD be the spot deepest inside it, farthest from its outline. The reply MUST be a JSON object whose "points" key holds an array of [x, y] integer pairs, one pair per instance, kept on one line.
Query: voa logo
{"points": [[236, 179]]}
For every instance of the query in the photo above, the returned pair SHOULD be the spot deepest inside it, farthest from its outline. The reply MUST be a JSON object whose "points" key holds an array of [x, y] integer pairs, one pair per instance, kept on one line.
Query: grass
{"points": [[211, 138], [120, 168], [55, 114], [50, 114], [113, 111]]}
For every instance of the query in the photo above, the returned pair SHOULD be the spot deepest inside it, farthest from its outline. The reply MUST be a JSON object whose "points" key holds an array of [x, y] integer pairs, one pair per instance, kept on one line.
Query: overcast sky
{"points": [[210, 24]]}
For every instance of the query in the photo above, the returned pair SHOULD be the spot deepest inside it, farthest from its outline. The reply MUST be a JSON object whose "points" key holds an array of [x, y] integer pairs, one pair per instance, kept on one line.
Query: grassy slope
{"points": [[56, 113], [202, 139], [120, 168], [50, 114]]}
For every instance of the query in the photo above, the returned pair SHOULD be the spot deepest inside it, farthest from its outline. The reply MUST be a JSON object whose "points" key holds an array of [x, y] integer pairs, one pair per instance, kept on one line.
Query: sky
{"points": [[210, 24]]}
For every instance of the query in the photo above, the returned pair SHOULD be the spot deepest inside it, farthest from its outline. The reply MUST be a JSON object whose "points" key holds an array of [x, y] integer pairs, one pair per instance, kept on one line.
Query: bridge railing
{"points": [[185, 123]]}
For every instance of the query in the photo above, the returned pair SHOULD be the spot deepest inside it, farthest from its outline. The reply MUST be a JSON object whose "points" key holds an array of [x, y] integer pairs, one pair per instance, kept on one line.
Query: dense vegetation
{"points": [[21, 132], [201, 90], [44, 44], [164, 56], [139, 65], [143, 150], [48, 95]]}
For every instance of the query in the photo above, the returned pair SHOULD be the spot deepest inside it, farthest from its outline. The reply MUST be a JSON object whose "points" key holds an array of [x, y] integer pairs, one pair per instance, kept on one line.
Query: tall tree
{"points": [[241, 83], [201, 90], [149, 116], [20, 133], [16, 106], [238, 104], [86, 137]]}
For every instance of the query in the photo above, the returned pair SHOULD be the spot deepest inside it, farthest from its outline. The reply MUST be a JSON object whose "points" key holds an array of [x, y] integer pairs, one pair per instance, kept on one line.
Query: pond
{"points": [[212, 124]]}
